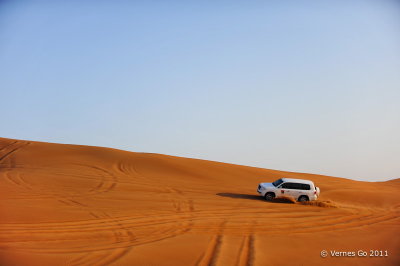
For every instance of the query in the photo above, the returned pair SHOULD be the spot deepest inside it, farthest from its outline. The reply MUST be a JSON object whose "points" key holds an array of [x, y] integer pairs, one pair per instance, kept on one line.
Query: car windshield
{"points": [[277, 182]]}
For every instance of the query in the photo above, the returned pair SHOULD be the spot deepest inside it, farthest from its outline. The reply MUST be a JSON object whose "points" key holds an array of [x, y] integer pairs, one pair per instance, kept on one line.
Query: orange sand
{"points": [[80, 205]]}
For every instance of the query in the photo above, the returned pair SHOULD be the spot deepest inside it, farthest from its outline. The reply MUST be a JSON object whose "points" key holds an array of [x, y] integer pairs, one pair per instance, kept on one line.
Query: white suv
{"points": [[301, 190]]}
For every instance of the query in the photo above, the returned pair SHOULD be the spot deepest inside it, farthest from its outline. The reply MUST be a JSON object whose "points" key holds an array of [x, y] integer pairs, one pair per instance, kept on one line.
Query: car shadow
{"points": [[255, 197]]}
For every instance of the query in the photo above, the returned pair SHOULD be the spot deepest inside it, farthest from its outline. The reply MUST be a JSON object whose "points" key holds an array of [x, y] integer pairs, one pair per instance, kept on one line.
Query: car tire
{"points": [[303, 198], [269, 196]]}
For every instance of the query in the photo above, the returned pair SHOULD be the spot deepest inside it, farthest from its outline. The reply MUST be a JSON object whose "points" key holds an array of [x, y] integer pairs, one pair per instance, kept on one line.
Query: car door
{"points": [[298, 190], [301, 189], [287, 190]]}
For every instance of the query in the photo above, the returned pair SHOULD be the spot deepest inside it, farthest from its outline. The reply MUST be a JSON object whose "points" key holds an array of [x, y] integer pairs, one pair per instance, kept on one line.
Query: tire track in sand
{"points": [[246, 252], [108, 182], [8, 145], [210, 255], [121, 234], [209, 258], [11, 148], [178, 223]]}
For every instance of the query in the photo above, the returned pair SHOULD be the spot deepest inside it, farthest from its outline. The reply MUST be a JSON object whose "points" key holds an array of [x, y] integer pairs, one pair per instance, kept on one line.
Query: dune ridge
{"points": [[66, 204]]}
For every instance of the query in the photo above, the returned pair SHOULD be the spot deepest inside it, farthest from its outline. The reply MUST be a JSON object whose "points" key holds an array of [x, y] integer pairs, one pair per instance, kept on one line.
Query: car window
{"points": [[277, 182], [296, 186], [288, 185], [301, 186]]}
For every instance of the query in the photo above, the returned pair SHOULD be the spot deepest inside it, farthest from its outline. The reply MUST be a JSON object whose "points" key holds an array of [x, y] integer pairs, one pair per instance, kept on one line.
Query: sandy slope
{"points": [[79, 205]]}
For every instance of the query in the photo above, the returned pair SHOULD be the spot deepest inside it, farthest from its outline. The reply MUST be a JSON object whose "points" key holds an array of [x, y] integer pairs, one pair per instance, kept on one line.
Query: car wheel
{"points": [[303, 198], [269, 196]]}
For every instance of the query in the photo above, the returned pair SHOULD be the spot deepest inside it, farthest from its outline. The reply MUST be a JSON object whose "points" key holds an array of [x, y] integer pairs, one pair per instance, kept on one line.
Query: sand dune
{"points": [[80, 205]]}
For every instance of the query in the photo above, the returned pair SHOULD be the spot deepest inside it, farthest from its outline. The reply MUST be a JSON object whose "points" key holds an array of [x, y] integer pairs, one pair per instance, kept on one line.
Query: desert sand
{"points": [[80, 205]]}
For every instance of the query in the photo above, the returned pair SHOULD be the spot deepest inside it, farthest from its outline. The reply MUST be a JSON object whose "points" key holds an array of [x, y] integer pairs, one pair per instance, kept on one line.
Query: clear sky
{"points": [[309, 86]]}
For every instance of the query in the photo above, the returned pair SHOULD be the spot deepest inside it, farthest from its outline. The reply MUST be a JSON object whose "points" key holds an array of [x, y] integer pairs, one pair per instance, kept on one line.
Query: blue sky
{"points": [[309, 86]]}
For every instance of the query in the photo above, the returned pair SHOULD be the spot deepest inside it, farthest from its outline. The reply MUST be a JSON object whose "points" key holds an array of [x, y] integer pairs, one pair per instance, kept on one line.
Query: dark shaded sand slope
{"points": [[80, 205]]}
